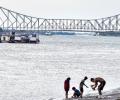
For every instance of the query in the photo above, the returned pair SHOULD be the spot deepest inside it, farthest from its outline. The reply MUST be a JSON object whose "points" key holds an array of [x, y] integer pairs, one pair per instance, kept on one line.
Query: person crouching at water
{"points": [[96, 81], [76, 93], [82, 83], [67, 86]]}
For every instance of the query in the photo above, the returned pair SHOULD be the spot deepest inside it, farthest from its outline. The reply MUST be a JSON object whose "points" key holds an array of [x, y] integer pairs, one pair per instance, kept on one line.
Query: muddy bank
{"points": [[113, 95]]}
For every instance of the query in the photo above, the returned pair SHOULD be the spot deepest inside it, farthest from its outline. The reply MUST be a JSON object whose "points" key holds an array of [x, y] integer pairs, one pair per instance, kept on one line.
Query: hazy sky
{"points": [[83, 9]]}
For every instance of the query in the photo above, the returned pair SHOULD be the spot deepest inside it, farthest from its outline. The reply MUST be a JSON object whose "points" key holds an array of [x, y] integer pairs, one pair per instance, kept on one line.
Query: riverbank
{"points": [[113, 95]]}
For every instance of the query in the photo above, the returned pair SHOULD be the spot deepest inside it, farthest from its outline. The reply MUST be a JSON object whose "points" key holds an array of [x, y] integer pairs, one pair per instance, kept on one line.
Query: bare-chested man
{"points": [[96, 81]]}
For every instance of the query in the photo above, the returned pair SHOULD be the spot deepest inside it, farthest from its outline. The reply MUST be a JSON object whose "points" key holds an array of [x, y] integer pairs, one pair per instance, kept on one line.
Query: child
{"points": [[76, 92], [67, 86], [82, 83]]}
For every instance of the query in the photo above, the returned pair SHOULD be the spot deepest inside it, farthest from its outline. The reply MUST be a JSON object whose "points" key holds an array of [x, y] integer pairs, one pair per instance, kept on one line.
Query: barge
{"points": [[19, 38]]}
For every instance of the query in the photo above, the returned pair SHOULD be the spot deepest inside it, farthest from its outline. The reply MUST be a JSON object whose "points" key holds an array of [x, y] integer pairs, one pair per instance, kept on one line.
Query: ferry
{"points": [[19, 38]]}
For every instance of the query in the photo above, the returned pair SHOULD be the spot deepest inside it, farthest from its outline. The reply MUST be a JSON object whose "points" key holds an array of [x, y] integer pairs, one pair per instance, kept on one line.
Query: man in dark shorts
{"points": [[82, 83], [96, 81], [67, 86]]}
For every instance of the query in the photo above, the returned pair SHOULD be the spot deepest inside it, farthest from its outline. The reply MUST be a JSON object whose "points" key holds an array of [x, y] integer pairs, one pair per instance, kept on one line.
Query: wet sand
{"points": [[105, 97], [114, 95]]}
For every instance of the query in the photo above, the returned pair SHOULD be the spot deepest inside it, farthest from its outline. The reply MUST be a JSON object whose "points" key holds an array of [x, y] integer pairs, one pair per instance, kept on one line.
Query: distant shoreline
{"points": [[108, 33]]}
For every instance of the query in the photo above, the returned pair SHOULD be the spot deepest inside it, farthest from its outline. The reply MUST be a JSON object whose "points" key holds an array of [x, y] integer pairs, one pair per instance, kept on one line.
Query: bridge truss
{"points": [[10, 20]]}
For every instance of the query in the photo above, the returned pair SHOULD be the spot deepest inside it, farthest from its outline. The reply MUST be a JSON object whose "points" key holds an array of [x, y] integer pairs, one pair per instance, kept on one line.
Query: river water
{"points": [[38, 71]]}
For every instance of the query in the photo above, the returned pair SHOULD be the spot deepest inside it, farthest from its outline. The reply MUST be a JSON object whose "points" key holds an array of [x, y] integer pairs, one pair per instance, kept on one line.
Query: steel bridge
{"points": [[10, 20]]}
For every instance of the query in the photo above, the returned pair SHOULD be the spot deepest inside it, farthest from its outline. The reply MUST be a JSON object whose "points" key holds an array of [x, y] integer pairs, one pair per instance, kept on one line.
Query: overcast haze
{"points": [[83, 9]]}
